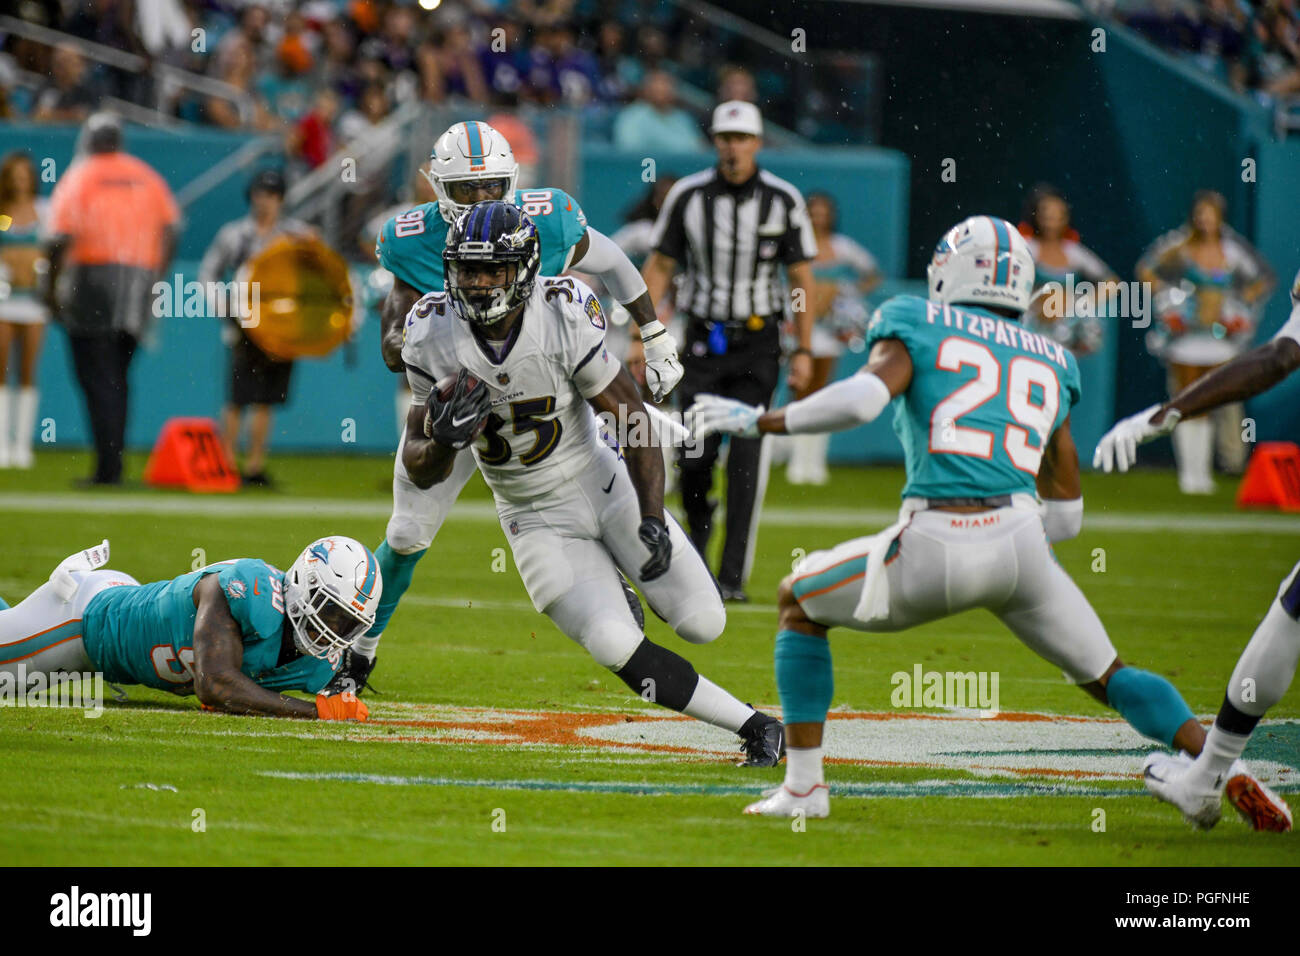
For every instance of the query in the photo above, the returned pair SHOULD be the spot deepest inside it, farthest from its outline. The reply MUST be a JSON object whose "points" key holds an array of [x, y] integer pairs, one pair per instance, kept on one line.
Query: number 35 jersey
{"points": [[985, 397], [541, 432]]}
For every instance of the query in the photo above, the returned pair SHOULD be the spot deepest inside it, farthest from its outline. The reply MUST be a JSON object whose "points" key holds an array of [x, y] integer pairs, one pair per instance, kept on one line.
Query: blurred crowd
{"points": [[323, 71], [1254, 45]]}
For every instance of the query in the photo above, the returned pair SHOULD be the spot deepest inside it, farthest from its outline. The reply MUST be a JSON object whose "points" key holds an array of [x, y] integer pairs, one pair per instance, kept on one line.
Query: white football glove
{"points": [[1118, 447], [715, 415], [663, 370]]}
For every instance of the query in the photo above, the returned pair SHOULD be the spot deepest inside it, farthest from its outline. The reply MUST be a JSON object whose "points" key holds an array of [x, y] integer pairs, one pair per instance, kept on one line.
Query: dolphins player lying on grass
{"points": [[234, 633], [1268, 664], [982, 407]]}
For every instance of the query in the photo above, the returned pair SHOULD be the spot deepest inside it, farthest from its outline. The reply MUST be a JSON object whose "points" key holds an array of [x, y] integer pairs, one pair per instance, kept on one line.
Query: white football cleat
{"points": [[92, 559], [782, 802], [1258, 805], [1165, 776]]}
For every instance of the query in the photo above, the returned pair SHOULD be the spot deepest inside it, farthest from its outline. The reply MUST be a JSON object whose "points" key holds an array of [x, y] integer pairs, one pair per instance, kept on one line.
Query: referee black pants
{"points": [[101, 363], [747, 372]]}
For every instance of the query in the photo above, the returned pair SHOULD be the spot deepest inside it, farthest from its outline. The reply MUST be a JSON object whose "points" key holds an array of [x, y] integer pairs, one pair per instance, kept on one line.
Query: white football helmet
{"points": [[331, 594], [982, 261], [470, 151]]}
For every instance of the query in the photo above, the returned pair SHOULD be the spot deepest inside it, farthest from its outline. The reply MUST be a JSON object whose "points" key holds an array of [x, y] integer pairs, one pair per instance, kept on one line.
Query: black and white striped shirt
{"points": [[732, 239]]}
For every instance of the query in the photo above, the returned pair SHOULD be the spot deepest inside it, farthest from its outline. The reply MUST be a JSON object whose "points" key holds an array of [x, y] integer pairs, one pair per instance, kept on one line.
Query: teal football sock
{"points": [[396, 571], [1149, 702], [3, 605], [804, 677]]}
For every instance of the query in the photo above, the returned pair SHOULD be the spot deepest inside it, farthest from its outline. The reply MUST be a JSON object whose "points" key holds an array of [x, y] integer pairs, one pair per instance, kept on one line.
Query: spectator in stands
{"points": [[654, 123], [247, 112], [619, 72], [653, 52], [334, 67], [256, 380], [737, 83], [1277, 60], [112, 23], [453, 67], [504, 59], [252, 36], [69, 96], [559, 71], [1165, 24], [373, 145], [398, 39], [312, 139], [22, 310], [843, 272], [113, 228], [287, 90], [1221, 37], [1208, 284], [1059, 255]]}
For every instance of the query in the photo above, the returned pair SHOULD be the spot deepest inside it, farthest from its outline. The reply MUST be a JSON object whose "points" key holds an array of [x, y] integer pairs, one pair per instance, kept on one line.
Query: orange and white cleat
{"points": [[1258, 805]]}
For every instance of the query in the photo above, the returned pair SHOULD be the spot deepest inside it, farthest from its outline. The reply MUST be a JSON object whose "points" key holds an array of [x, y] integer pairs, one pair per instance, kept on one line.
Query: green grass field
{"points": [[497, 741]]}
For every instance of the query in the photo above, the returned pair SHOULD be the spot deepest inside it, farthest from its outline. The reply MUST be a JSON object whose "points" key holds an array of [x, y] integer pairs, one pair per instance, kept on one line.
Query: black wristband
{"points": [[801, 351]]}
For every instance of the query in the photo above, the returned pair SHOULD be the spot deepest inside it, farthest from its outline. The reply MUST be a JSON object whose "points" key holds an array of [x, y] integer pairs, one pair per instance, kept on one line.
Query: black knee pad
{"points": [[659, 675]]}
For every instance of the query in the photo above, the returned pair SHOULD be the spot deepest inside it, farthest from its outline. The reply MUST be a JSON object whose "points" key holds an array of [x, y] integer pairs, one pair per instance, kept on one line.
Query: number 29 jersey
{"points": [[986, 395], [541, 432]]}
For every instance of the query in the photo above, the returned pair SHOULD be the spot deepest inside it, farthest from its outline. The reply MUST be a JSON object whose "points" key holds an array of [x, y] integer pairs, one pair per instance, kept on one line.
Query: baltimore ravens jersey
{"points": [[541, 432], [410, 244], [145, 635], [985, 397]]}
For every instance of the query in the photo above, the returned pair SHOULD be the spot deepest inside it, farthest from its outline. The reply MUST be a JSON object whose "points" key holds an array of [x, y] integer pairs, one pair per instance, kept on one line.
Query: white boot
{"points": [[6, 456], [25, 426], [808, 460], [1194, 451]]}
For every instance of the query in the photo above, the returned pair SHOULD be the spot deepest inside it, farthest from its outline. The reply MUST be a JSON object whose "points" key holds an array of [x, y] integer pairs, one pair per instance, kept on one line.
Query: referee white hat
{"points": [[737, 116]]}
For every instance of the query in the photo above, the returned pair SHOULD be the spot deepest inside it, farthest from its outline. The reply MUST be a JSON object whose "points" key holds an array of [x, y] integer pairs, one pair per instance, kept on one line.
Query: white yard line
{"points": [[849, 519]]}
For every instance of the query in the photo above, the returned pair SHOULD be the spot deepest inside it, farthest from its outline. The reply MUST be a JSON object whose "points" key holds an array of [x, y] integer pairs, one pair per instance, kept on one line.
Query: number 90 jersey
{"points": [[985, 397], [541, 432], [410, 245]]}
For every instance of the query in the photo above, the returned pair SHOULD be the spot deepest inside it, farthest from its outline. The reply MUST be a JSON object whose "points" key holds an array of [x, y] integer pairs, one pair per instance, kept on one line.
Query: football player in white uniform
{"points": [[472, 162], [514, 366], [1268, 664]]}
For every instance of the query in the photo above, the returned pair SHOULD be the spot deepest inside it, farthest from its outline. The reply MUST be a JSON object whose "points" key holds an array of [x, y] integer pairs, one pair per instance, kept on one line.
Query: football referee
{"points": [[733, 227]]}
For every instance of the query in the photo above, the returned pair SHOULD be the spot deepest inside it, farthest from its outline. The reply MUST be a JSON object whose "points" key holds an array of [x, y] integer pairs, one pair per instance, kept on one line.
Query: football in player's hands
{"points": [[457, 410], [654, 535]]}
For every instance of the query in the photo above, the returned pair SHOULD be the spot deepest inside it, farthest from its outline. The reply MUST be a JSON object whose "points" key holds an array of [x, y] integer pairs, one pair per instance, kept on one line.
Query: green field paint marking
{"points": [[921, 788]]}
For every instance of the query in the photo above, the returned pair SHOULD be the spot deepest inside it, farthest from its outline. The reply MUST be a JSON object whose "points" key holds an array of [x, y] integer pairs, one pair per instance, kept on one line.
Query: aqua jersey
{"points": [[410, 244], [145, 635], [985, 397]]}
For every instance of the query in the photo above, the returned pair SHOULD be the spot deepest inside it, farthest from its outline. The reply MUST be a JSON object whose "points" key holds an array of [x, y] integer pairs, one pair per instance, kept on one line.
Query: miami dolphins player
{"points": [[1268, 664], [234, 633], [982, 407], [472, 162]]}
